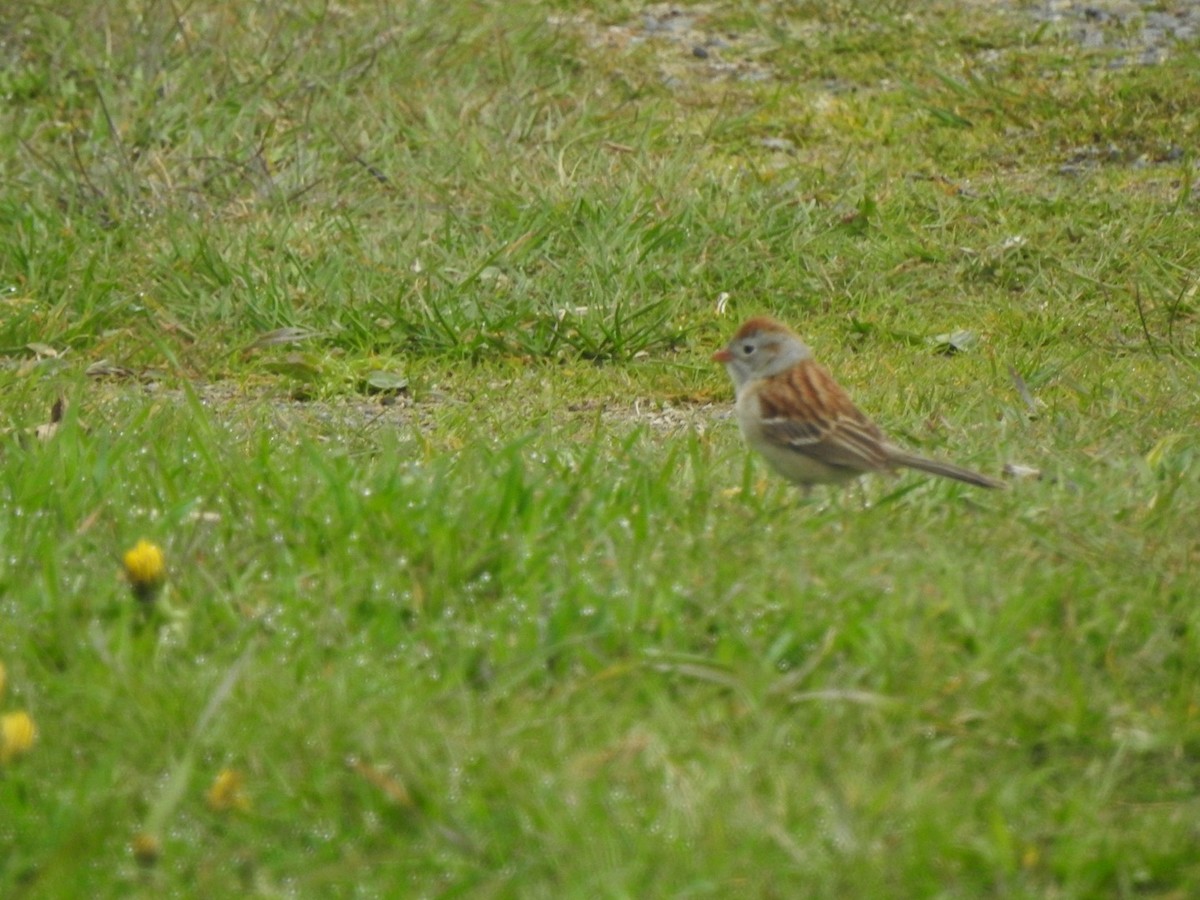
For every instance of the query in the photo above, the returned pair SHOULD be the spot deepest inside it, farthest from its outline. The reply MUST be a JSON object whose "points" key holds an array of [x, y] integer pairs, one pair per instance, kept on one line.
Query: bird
{"points": [[793, 412]]}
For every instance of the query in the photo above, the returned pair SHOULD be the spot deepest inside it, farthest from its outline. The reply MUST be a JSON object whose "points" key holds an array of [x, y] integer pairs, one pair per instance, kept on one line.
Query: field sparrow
{"points": [[794, 414]]}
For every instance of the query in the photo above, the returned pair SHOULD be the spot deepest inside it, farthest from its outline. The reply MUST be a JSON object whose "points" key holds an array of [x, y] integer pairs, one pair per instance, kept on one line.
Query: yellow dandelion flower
{"points": [[145, 569], [227, 792], [146, 848], [17, 734]]}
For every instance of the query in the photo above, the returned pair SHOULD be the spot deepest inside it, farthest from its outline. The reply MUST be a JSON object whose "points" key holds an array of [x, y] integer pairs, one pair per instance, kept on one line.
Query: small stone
{"points": [[779, 145]]}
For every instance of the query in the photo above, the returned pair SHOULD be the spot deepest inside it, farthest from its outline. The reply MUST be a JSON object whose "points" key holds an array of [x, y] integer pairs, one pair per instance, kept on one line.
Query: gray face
{"points": [[761, 354]]}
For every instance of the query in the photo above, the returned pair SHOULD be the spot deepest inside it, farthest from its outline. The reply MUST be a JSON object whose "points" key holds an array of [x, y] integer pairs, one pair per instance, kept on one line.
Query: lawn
{"points": [[390, 324]]}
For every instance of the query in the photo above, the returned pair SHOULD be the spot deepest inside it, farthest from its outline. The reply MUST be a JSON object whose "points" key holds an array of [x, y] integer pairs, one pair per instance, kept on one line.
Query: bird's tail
{"points": [[944, 469]]}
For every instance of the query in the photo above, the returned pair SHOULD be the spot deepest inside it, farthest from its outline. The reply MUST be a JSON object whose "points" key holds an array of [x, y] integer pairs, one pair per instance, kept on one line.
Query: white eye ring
{"points": [[747, 349]]}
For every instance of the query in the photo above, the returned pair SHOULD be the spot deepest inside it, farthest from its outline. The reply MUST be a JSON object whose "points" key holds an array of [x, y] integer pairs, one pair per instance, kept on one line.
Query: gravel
{"points": [[1143, 32]]}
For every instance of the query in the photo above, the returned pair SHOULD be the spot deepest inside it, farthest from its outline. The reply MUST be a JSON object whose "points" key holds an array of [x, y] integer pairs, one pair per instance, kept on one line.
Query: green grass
{"points": [[538, 626]]}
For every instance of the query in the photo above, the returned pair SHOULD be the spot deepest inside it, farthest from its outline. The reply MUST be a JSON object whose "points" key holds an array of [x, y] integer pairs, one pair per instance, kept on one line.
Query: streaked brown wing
{"points": [[806, 409]]}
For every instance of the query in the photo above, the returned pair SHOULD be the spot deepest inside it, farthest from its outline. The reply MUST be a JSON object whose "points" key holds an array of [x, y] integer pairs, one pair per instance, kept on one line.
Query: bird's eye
{"points": [[747, 349]]}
